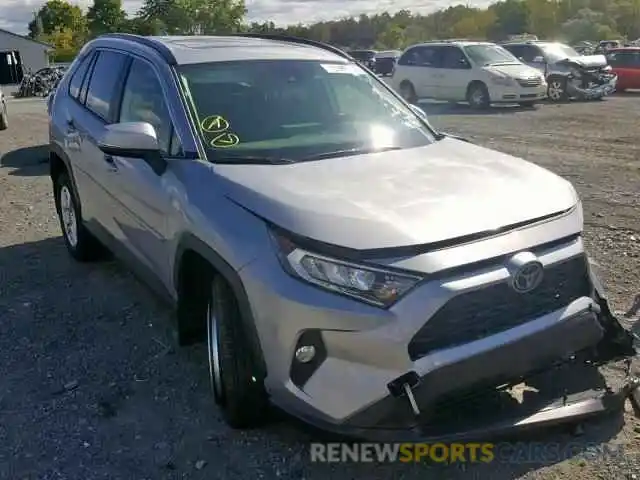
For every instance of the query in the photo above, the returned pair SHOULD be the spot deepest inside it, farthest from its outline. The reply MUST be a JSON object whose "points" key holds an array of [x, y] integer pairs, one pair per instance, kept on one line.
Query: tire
{"points": [[557, 90], [478, 96], [408, 92], [236, 390], [80, 243], [527, 104], [4, 117]]}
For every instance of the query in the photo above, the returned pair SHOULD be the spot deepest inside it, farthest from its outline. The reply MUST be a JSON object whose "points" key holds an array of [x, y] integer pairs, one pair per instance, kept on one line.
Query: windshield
{"points": [[296, 110], [558, 51], [489, 54]]}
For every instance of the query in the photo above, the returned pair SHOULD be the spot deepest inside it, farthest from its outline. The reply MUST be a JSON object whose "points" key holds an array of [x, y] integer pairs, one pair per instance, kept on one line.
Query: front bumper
{"points": [[594, 92], [517, 93], [361, 349]]}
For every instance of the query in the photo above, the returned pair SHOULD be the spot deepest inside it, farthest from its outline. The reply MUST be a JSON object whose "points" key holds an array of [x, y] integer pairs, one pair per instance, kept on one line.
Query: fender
{"points": [[57, 150], [189, 241]]}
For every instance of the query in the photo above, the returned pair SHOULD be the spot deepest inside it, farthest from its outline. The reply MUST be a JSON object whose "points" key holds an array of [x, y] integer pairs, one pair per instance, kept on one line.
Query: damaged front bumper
{"points": [[566, 392], [592, 93]]}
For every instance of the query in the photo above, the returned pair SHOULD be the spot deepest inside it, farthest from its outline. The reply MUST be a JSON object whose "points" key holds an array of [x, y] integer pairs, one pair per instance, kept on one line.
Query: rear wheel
{"points": [[408, 92], [81, 244], [478, 96], [232, 373]]}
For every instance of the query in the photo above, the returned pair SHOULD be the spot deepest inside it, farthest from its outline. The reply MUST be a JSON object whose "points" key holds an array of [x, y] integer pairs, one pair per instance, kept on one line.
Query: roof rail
{"points": [[299, 40], [159, 47]]}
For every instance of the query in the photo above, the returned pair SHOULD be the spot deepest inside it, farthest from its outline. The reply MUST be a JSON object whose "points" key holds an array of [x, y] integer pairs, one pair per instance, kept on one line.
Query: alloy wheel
{"points": [[555, 90], [69, 217], [213, 350]]}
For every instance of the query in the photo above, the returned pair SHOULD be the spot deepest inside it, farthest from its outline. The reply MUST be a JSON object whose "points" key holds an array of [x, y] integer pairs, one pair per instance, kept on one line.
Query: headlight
{"points": [[499, 79], [373, 285]]}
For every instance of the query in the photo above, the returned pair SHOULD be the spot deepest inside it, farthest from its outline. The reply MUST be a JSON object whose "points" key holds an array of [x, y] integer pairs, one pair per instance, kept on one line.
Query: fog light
{"points": [[306, 353]]}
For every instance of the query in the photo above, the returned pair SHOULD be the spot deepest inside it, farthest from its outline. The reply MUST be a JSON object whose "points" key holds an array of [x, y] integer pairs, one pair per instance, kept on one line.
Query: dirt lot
{"points": [[92, 387]]}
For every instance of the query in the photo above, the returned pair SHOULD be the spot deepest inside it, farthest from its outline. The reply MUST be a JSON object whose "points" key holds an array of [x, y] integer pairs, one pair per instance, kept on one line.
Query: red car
{"points": [[625, 62]]}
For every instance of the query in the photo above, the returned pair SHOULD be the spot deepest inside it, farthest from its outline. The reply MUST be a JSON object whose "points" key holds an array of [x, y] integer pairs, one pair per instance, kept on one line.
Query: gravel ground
{"points": [[91, 386]]}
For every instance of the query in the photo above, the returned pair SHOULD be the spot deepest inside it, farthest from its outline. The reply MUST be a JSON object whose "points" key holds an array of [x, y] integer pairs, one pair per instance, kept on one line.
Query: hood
{"points": [[513, 70], [407, 197], [587, 61]]}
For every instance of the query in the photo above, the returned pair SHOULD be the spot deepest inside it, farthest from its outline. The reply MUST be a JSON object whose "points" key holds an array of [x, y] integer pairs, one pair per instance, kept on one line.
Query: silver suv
{"points": [[340, 257]]}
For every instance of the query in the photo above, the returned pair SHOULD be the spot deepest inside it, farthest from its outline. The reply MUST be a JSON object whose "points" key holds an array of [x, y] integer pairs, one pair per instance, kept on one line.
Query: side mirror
{"points": [[130, 139]]}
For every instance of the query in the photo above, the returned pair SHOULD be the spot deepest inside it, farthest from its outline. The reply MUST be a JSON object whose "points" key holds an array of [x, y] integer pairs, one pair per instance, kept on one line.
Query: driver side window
{"points": [[143, 101]]}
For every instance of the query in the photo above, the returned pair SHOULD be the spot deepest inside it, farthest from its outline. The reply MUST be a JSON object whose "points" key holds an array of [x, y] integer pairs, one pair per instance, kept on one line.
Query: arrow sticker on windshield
{"points": [[225, 140], [214, 124]]}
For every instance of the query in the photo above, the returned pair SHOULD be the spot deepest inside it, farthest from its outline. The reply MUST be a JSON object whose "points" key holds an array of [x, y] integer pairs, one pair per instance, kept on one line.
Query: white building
{"points": [[19, 55]]}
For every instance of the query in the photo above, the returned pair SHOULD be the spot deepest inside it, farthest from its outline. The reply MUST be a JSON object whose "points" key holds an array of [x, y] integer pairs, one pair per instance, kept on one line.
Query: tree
{"points": [[587, 25], [195, 16], [55, 15], [512, 18], [105, 16], [64, 41]]}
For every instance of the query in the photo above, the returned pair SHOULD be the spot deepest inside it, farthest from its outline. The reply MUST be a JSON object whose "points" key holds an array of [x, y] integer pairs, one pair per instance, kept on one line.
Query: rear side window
{"points": [[75, 85], [105, 79], [410, 57], [420, 57]]}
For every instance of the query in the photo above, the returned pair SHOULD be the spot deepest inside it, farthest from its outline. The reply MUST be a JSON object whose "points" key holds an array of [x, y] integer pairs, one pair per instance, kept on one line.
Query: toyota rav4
{"points": [[339, 257]]}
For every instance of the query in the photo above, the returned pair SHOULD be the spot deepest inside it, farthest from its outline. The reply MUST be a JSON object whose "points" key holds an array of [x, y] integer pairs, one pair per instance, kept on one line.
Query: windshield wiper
{"points": [[348, 152], [251, 160]]}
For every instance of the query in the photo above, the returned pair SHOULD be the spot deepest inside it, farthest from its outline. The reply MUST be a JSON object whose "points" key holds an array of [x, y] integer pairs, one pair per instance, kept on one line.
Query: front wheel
{"points": [[557, 90], [478, 96], [232, 373]]}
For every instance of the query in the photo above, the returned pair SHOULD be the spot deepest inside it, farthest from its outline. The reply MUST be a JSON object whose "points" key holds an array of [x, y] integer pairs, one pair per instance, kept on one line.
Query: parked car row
{"points": [[523, 72]]}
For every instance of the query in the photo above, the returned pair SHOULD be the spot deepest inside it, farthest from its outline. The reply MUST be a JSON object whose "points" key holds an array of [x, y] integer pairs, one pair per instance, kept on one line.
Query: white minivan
{"points": [[480, 73]]}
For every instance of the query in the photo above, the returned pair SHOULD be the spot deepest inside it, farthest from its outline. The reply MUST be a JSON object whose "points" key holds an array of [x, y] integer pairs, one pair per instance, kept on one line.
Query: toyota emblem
{"points": [[527, 277]]}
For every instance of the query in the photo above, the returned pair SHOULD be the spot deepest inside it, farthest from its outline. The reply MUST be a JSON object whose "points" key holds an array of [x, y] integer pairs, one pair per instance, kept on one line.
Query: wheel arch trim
{"points": [[188, 241]]}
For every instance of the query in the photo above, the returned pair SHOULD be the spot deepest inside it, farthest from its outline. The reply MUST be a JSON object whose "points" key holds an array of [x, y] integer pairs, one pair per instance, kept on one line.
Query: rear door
{"points": [[104, 85], [417, 65]]}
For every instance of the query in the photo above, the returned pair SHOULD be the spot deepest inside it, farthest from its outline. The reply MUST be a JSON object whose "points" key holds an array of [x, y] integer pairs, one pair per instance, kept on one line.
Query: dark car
{"points": [[386, 61], [365, 57]]}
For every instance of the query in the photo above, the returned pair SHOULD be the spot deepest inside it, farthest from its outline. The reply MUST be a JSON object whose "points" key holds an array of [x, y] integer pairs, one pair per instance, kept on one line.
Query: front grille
{"points": [[530, 82], [494, 309]]}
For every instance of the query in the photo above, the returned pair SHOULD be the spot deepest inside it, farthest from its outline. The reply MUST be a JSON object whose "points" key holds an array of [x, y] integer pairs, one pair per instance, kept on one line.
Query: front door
{"points": [[142, 201], [453, 75]]}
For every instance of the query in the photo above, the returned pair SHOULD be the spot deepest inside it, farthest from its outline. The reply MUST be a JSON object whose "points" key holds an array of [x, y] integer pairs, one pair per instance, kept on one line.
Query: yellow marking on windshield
{"points": [[225, 140], [214, 124]]}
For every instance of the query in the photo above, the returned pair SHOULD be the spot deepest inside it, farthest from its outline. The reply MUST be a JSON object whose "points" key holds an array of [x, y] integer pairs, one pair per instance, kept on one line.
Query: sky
{"points": [[16, 14]]}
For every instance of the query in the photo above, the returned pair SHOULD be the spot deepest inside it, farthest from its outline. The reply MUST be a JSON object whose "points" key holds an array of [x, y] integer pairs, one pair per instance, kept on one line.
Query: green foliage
{"points": [[63, 24], [105, 16], [55, 15], [189, 17]]}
